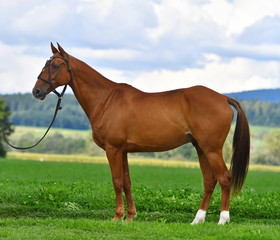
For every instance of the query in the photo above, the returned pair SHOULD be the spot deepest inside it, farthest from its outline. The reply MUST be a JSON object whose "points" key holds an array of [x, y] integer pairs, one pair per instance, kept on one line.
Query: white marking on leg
{"points": [[224, 217], [199, 217]]}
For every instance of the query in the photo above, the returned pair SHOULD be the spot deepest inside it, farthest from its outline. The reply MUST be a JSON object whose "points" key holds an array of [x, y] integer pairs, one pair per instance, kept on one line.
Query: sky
{"points": [[154, 45]]}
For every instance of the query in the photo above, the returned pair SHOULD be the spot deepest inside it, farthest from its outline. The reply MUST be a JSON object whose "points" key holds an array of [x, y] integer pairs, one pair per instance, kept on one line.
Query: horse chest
{"points": [[107, 134]]}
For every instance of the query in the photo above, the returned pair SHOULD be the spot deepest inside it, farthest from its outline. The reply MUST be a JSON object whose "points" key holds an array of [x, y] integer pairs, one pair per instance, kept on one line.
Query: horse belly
{"points": [[156, 138]]}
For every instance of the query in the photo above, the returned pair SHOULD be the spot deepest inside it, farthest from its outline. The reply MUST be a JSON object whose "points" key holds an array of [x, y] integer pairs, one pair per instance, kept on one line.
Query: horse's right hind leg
{"points": [[210, 181], [215, 160]]}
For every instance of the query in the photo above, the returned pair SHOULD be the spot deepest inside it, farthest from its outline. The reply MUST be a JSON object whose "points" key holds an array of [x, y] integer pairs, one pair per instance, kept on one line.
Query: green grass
{"points": [[47, 200], [92, 229]]}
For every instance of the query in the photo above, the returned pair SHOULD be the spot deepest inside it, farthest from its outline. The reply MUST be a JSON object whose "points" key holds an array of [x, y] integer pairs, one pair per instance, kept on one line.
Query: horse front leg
{"points": [[131, 210], [115, 158]]}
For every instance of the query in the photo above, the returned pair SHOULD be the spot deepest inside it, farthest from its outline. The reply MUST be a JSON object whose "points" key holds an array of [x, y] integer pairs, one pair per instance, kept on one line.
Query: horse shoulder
{"points": [[109, 119]]}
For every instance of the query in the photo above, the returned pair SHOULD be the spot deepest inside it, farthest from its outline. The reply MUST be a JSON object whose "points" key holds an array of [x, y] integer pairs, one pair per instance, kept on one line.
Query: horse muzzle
{"points": [[39, 94]]}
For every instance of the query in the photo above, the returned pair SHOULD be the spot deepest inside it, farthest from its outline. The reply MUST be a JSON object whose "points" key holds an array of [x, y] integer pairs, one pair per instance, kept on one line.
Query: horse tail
{"points": [[241, 148]]}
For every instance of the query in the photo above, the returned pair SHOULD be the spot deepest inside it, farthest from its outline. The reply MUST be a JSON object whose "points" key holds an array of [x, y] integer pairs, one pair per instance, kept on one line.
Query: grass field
{"points": [[69, 200]]}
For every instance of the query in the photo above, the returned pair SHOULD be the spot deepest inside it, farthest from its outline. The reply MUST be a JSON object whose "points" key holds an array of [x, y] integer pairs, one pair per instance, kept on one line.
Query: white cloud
{"points": [[180, 19], [264, 31], [113, 24], [237, 15], [18, 71], [223, 75], [232, 75], [109, 54], [40, 19], [154, 40]]}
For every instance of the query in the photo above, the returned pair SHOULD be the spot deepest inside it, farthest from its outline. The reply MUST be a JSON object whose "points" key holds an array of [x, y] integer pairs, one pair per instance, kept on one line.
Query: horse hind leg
{"points": [[223, 176], [209, 181]]}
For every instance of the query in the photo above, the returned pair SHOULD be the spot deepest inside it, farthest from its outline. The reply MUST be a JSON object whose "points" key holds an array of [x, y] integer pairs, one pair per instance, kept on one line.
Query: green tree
{"points": [[272, 144], [4, 124]]}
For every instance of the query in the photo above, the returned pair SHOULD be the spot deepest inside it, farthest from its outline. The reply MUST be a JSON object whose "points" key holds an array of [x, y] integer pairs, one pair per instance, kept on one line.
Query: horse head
{"points": [[55, 73]]}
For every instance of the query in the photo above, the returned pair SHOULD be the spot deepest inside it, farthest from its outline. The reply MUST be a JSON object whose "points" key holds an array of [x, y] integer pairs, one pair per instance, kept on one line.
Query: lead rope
{"points": [[58, 107]]}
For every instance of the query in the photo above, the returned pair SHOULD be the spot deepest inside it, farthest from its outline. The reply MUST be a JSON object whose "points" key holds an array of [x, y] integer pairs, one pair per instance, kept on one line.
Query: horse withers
{"points": [[124, 119]]}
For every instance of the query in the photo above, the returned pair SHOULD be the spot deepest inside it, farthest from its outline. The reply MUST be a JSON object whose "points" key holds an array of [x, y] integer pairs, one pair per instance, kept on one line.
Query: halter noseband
{"points": [[49, 81]]}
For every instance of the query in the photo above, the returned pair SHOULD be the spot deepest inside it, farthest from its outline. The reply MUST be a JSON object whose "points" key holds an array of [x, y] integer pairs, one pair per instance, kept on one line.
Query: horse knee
{"points": [[118, 184]]}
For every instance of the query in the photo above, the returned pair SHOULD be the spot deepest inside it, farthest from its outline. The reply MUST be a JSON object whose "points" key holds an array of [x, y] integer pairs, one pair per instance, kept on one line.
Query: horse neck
{"points": [[90, 88]]}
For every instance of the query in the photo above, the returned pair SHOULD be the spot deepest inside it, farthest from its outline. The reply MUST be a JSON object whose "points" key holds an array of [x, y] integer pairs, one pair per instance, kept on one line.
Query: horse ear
{"points": [[54, 50], [61, 50]]}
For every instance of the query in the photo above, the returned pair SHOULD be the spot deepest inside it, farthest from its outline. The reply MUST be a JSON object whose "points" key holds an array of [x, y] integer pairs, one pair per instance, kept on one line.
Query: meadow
{"points": [[70, 200]]}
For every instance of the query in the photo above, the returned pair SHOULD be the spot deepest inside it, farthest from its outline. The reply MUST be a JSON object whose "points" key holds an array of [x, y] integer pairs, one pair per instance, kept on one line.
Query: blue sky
{"points": [[155, 45]]}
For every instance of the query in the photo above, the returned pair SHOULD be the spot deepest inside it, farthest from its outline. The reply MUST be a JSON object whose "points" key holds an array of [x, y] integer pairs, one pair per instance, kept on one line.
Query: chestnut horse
{"points": [[124, 119]]}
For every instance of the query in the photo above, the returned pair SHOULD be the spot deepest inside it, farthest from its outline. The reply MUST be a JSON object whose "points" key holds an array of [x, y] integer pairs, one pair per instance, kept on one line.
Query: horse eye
{"points": [[55, 67]]}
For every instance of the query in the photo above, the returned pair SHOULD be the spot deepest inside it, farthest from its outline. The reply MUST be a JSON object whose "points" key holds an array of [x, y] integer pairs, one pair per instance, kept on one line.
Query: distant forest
{"points": [[27, 111]]}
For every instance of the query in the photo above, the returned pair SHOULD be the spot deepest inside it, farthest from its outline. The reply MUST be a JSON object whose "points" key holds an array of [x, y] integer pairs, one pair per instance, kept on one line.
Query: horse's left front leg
{"points": [[131, 210], [115, 158]]}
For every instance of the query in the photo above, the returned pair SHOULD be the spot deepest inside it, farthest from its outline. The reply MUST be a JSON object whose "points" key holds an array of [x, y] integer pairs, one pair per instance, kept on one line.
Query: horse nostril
{"points": [[36, 92]]}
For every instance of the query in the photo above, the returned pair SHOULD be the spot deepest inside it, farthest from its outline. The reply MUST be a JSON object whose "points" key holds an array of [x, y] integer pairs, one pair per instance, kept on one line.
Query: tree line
{"points": [[260, 113], [27, 111]]}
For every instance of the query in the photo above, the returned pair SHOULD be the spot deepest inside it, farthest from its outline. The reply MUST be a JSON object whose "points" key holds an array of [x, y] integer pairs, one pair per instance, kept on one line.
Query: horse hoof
{"points": [[199, 217], [224, 217], [130, 217], [117, 218]]}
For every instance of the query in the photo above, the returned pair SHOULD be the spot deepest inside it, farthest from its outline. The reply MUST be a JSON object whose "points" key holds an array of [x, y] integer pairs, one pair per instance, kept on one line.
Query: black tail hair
{"points": [[241, 148]]}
